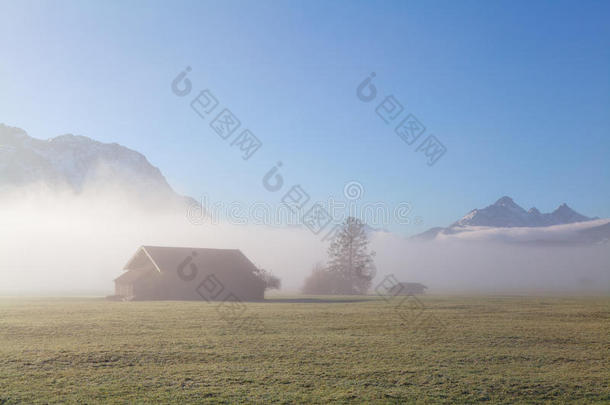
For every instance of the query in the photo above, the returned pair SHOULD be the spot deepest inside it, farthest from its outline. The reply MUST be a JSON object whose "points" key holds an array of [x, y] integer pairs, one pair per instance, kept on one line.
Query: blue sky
{"points": [[518, 92]]}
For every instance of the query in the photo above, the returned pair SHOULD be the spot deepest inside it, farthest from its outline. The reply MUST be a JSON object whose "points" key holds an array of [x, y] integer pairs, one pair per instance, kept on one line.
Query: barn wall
{"points": [[126, 290], [207, 286]]}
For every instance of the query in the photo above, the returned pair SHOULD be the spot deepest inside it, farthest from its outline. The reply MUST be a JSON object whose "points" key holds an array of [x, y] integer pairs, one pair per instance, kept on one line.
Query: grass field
{"points": [[493, 349]]}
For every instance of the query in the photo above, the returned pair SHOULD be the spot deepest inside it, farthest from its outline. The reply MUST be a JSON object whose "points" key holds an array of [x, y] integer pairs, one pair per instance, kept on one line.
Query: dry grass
{"points": [[492, 349]]}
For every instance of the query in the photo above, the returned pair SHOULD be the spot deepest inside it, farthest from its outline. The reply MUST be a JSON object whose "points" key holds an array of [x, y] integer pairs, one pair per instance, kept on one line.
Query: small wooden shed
{"points": [[404, 288]]}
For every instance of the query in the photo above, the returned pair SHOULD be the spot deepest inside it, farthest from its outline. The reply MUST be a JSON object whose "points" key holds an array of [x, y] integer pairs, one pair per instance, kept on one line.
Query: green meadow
{"points": [[440, 349]]}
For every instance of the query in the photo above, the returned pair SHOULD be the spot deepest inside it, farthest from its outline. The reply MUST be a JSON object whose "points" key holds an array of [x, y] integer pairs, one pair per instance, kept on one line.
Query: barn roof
{"points": [[165, 259], [132, 275], [407, 284]]}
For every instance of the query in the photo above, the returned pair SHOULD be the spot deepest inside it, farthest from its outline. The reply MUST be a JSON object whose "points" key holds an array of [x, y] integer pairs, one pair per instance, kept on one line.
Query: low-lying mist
{"points": [[66, 243], [462, 265]]}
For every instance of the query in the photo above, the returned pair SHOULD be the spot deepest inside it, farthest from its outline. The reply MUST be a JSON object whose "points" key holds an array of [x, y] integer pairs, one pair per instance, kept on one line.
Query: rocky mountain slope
{"points": [[78, 163], [507, 221]]}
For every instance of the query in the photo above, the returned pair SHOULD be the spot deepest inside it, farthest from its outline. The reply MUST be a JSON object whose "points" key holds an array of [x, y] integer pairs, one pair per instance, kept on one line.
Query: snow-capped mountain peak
{"points": [[565, 215], [534, 211], [507, 202], [76, 162], [505, 213]]}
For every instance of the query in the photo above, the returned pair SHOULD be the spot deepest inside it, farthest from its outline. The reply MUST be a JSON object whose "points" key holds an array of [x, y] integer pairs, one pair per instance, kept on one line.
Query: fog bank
{"points": [[63, 242]]}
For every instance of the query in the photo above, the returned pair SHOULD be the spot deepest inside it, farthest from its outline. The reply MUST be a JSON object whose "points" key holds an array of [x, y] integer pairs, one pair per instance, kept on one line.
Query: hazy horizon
{"points": [[46, 249]]}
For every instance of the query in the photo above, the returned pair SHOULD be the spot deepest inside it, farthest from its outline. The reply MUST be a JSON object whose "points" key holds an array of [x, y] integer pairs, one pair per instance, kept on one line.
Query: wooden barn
{"points": [[407, 289], [180, 273]]}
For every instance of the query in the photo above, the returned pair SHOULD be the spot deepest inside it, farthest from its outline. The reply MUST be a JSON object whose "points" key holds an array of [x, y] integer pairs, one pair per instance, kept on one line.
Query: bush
{"points": [[271, 281], [322, 281]]}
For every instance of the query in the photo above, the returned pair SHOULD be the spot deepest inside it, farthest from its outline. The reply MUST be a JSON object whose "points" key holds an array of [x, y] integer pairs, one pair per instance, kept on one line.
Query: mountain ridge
{"points": [[77, 162], [506, 214]]}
